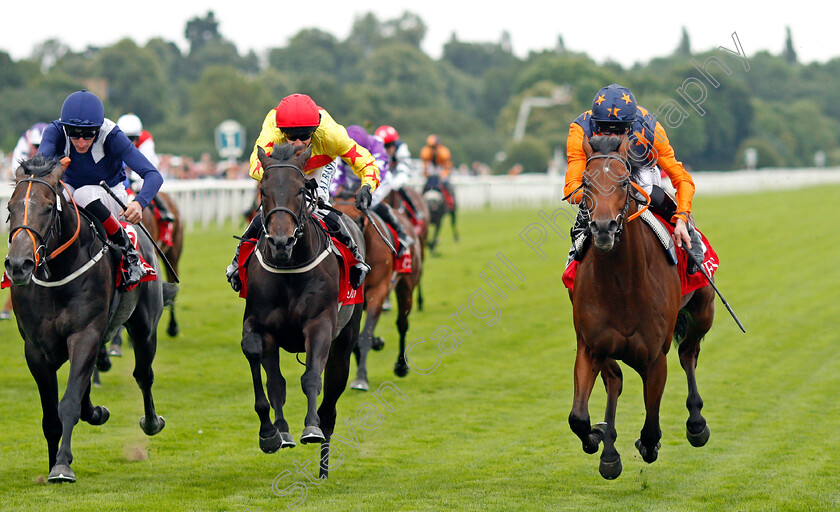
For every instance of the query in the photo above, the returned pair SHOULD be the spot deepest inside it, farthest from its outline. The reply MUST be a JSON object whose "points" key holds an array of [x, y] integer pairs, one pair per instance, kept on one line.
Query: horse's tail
{"points": [[681, 329], [170, 290]]}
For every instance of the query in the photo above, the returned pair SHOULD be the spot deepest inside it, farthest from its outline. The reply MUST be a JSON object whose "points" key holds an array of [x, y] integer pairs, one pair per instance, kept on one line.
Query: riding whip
{"points": [[376, 227], [143, 228], [709, 279]]}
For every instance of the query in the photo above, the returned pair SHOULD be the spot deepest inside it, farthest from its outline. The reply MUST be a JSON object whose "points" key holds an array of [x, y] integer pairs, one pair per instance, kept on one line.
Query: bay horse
{"points": [[172, 248], [626, 299], [67, 305], [380, 281], [438, 209], [420, 221], [292, 304]]}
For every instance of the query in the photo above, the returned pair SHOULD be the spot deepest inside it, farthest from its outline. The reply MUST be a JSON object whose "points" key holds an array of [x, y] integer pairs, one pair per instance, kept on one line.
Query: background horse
{"points": [[420, 221], [293, 303], [171, 251], [66, 305], [380, 281], [438, 209], [625, 301]]}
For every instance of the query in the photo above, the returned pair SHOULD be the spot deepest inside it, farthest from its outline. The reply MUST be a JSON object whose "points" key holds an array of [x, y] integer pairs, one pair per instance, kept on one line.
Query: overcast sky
{"points": [[625, 32]]}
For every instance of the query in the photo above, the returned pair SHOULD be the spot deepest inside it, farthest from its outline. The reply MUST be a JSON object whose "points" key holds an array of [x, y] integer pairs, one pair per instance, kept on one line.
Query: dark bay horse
{"points": [[66, 304], [438, 209], [420, 221], [292, 304], [626, 300], [172, 250], [380, 281]]}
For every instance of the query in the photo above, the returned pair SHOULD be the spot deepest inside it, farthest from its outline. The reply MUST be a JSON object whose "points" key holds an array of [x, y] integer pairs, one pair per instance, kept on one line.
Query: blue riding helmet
{"points": [[613, 109], [82, 109]]}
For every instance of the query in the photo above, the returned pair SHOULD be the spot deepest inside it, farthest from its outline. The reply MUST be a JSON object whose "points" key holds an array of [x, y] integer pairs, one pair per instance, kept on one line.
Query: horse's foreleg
{"points": [[47, 382], [454, 227], [252, 347], [613, 382], [145, 347], [83, 351], [586, 370], [701, 310], [654, 384], [365, 341], [275, 383], [318, 335]]}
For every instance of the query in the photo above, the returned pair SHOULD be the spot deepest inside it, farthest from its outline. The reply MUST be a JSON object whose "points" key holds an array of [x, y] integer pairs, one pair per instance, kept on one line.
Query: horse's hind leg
{"points": [[454, 227], [654, 384], [404, 302], [700, 310], [610, 466], [586, 370], [145, 347], [47, 382], [318, 335], [376, 297]]}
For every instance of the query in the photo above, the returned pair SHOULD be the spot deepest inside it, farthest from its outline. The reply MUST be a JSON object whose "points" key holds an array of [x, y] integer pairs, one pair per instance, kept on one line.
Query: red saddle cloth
{"points": [[151, 275], [346, 294], [688, 283], [402, 264]]}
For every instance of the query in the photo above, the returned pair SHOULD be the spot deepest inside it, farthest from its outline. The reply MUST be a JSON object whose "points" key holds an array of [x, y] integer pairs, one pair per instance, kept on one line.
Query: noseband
{"points": [[308, 205]]}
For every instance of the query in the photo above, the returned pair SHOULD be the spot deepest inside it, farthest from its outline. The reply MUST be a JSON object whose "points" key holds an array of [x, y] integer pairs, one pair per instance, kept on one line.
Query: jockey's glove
{"points": [[363, 197]]}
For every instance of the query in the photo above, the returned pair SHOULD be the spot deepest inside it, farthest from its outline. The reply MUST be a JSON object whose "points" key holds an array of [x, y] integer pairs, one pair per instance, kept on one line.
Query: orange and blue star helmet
{"points": [[613, 110]]}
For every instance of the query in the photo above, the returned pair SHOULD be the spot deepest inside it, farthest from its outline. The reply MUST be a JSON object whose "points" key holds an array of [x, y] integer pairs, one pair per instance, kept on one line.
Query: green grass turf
{"points": [[487, 428]]}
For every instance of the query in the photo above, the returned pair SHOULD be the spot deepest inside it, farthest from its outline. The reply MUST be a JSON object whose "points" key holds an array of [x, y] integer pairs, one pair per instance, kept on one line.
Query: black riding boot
{"points": [[664, 205], [387, 214], [418, 214], [164, 212], [232, 270], [578, 235], [339, 230], [133, 270]]}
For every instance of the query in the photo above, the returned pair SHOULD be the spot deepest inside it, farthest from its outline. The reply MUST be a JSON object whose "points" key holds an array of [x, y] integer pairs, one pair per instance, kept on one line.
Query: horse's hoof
{"points": [[288, 441], [359, 384], [152, 428], [172, 330], [648, 456], [103, 364], [700, 439], [114, 351], [401, 369], [596, 435], [271, 444], [377, 343], [610, 470], [61, 473], [312, 435], [100, 415]]}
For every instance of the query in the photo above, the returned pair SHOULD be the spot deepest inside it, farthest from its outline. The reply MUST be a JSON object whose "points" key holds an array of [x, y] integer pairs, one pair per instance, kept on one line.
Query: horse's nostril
{"points": [[612, 226]]}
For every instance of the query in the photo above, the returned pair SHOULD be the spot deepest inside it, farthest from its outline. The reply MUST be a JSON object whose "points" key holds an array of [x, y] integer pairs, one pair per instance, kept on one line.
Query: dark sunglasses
{"points": [[75, 132], [298, 135]]}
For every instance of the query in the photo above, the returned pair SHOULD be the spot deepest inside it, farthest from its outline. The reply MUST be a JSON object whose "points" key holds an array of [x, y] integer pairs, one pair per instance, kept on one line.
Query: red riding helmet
{"points": [[297, 111], [388, 134]]}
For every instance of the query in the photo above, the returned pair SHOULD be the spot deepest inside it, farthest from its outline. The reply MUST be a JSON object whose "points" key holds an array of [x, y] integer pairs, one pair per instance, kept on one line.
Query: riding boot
{"points": [[662, 203], [165, 214], [232, 270], [339, 230], [387, 214], [418, 214], [132, 271], [578, 235], [697, 251]]}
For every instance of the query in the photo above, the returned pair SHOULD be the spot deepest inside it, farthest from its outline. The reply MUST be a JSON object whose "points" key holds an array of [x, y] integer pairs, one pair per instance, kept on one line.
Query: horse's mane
{"points": [[39, 165], [284, 151], [605, 144]]}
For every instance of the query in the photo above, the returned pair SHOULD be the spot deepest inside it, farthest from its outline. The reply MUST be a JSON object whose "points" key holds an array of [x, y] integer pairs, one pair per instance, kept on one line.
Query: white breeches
{"points": [[89, 193]]}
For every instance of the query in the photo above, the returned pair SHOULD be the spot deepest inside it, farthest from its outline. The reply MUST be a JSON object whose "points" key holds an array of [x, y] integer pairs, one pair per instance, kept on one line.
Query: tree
{"points": [[789, 53], [684, 49], [200, 31]]}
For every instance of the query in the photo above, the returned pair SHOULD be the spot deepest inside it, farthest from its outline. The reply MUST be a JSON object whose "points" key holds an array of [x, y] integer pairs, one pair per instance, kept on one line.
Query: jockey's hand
{"points": [[681, 234], [363, 197], [133, 212]]}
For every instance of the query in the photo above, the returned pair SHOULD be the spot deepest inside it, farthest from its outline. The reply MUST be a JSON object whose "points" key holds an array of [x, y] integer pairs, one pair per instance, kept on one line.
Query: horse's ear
{"points": [[302, 155], [20, 173], [58, 171], [262, 157], [587, 148]]}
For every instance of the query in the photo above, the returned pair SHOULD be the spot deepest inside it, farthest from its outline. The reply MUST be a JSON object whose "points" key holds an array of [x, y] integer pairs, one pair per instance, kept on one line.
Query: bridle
{"points": [[39, 241], [307, 206], [626, 183]]}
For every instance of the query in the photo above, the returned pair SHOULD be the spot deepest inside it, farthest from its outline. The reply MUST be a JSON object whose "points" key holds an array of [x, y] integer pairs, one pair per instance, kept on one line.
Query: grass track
{"points": [[487, 429]]}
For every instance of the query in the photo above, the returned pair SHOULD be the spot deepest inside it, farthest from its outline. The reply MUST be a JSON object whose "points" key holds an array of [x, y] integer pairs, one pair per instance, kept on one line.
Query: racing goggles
{"points": [[292, 134], [82, 132]]}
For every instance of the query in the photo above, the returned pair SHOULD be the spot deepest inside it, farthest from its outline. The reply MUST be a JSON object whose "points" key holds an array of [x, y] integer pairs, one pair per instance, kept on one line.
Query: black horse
{"points": [[67, 304], [439, 207], [292, 304]]}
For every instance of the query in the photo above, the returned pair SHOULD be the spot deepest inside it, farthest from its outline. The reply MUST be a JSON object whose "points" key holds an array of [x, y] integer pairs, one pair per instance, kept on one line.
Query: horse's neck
{"points": [[310, 243]]}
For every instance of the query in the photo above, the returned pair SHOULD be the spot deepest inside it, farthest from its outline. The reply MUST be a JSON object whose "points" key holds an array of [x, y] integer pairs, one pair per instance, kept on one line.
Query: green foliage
{"points": [[532, 154]]}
